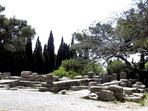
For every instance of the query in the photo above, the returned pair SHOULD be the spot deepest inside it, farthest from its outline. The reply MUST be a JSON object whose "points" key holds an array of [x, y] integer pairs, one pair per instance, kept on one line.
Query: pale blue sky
{"points": [[63, 17]]}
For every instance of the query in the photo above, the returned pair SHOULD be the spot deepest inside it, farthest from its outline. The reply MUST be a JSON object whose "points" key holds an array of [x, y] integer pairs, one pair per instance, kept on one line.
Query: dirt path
{"points": [[22, 100]]}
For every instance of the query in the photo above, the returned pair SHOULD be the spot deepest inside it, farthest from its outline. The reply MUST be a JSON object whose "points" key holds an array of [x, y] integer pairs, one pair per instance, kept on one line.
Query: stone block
{"points": [[25, 74], [106, 95]]}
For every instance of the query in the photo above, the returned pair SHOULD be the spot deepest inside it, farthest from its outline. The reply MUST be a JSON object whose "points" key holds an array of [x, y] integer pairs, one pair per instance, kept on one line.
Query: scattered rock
{"points": [[106, 95], [93, 96], [76, 88], [25, 74]]}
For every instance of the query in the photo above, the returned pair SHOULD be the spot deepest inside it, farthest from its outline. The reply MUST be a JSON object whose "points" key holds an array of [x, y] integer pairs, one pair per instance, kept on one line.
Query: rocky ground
{"points": [[32, 100]]}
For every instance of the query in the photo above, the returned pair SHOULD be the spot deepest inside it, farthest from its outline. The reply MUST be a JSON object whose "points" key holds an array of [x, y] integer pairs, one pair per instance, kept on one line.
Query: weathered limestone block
{"points": [[92, 84], [11, 83], [123, 75], [43, 78], [25, 74], [31, 78], [130, 91], [49, 79], [106, 95], [133, 98], [139, 85], [78, 77], [6, 75], [26, 83], [76, 88], [95, 89], [117, 90]]}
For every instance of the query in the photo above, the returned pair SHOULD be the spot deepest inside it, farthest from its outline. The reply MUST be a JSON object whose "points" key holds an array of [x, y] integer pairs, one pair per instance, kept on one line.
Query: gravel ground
{"points": [[28, 100]]}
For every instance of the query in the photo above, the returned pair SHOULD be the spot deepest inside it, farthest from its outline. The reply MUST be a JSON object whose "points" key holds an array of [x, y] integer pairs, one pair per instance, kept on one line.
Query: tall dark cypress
{"points": [[38, 58], [50, 51], [72, 51], [46, 59], [28, 54], [63, 53]]}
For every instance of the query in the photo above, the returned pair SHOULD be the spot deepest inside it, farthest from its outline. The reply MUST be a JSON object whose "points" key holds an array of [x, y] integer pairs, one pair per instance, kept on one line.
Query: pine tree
{"points": [[50, 51], [38, 58]]}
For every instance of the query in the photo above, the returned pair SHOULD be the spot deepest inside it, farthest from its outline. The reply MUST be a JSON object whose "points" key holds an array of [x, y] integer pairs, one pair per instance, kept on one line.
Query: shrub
{"points": [[146, 65], [96, 68], [117, 66], [61, 72]]}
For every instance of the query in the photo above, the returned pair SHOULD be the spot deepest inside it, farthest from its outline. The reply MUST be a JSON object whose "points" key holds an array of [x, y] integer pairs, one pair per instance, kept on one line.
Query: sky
{"points": [[63, 17]]}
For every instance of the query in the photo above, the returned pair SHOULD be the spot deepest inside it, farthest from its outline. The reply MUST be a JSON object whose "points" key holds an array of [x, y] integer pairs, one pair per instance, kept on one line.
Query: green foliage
{"points": [[61, 72], [117, 66], [96, 68], [75, 67], [146, 65]]}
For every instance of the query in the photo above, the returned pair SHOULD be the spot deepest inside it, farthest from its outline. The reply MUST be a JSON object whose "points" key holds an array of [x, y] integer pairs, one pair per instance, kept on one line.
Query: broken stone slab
{"points": [[139, 86], [15, 77], [133, 98], [78, 77], [95, 89], [106, 95], [26, 83], [11, 83], [76, 88], [43, 89], [112, 83], [25, 74], [130, 91]]}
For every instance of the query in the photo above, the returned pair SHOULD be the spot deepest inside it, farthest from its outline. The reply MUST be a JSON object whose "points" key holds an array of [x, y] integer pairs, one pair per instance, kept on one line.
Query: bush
{"points": [[146, 65], [61, 72], [117, 66], [96, 68]]}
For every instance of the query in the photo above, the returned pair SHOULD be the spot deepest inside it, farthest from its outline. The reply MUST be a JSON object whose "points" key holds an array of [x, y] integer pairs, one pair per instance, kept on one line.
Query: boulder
{"points": [[62, 92], [25, 74], [117, 90], [93, 96], [106, 95]]}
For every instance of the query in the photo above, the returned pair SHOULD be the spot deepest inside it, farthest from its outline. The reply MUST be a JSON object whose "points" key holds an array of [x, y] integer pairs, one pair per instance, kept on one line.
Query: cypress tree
{"points": [[46, 59], [38, 58], [50, 51], [28, 65], [63, 53]]}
